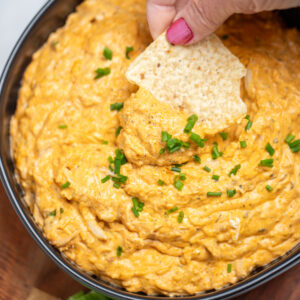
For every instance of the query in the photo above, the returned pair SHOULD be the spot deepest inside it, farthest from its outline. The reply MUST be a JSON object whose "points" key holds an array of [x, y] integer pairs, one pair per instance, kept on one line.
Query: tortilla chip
{"points": [[203, 79]]}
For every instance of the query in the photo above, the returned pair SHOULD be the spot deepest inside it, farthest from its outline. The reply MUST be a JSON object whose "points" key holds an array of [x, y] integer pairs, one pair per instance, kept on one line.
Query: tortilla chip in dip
{"points": [[203, 79]]}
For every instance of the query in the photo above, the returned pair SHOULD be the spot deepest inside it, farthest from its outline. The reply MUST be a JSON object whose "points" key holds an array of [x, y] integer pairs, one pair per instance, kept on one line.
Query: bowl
{"points": [[53, 15]]}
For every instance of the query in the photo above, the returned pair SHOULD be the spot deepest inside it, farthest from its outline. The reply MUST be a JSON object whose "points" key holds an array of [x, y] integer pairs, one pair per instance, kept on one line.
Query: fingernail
{"points": [[179, 33]]}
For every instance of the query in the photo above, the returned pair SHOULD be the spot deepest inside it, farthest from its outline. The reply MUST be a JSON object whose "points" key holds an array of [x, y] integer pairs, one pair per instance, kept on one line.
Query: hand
{"points": [[192, 20]]}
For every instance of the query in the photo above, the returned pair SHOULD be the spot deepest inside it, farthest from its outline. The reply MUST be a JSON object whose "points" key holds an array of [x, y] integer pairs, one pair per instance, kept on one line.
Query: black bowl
{"points": [[49, 18]]}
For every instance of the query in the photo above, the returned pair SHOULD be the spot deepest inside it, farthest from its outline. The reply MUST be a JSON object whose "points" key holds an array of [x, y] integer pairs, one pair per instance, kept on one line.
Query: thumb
{"points": [[199, 18]]}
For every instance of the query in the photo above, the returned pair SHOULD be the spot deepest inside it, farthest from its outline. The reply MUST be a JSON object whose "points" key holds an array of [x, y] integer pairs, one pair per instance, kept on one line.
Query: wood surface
{"points": [[23, 267]]}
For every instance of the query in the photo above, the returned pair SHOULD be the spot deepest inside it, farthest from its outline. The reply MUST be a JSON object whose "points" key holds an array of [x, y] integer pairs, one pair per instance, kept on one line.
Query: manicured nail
{"points": [[179, 33]]}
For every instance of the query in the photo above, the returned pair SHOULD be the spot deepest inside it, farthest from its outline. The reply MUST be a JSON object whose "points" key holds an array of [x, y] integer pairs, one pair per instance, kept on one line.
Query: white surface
{"points": [[14, 17]]}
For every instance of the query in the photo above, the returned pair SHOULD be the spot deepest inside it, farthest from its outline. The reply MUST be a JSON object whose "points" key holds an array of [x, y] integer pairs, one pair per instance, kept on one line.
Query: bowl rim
{"points": [[228, 292]]}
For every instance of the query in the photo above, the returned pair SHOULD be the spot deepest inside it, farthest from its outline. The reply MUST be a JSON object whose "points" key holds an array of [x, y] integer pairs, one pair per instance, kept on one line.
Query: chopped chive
{"points": [[137, 206], [197, 139], [171, 210], [197, 159], [102, 72], [66, 185], [161, 182], [191, 121], [224, 135], [116, 185], [243, 144], [174, 169], [52, 213], [178, 184], [249, 124], [119, 179], [214, 194], [267, 163], [106, 178], [180, 217], [107, 53], [215, 153], [128, 50], [269, 188], [182, 177], [162, 151], [215, 177], [110, 159], [230, 193], [224, 37], [295, 149], [229, 268], [117, 106], [234, 170], [118, 130], [63, 126], [104, 142], [119, 251], [180, 165], [165, 136], [207, 169], [270, 149], [289, 138], [295, 146], [61, 210]]}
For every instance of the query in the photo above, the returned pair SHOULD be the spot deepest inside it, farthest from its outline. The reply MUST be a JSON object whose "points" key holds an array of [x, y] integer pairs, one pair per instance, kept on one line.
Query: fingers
{"points": [[199, 18], [160, 14]]}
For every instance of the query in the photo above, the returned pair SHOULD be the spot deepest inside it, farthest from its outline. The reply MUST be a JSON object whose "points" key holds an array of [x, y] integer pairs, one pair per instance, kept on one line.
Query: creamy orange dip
{"points": [[138, 227]]}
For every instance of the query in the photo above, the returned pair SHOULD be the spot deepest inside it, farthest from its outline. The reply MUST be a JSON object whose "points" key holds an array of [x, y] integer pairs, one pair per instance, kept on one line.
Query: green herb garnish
{"points": [[215, 153], [180, 217], [161, 182], [178, 184], [214, 194], [66, 185], [295, 146], [269, 188], [175, 169], [224, 135], [230, 193], [191, 121], [119, 251], [118, 130], [117, 106], [52, 213], [215, 177], [107, 53], [162, 151], [289, 138], [197, 159], [61, 210], [249, 124], [197, 139], [116, 185], [171, 210], [267, 163], [104, 142], [106, 178], [62, 126], [270, 149], [137, 206], [243, 144], [229, 268], [128, 50], [234, 170], [207, 169], [102, 72], [173, 144], [120, 160]]}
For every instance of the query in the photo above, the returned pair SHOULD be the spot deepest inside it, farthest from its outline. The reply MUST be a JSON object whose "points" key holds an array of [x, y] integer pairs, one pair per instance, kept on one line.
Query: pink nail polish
{"points": [[179, 33]]}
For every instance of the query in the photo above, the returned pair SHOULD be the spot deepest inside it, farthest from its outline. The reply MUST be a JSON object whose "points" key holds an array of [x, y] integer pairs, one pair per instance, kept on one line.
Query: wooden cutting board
{"points": [[24, 267]]}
